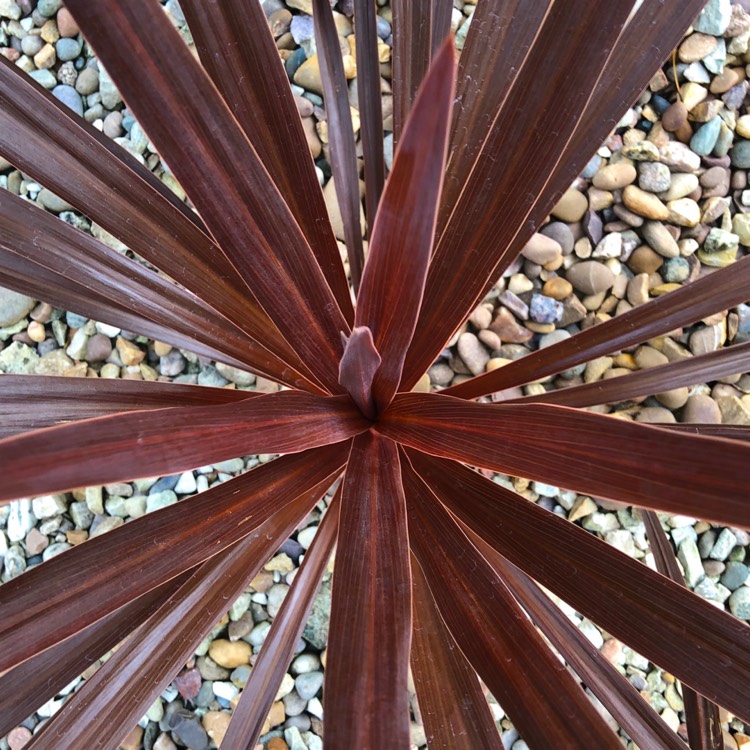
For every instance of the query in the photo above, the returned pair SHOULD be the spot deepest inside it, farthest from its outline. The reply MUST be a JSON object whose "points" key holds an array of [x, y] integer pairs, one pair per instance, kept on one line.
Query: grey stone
{"points": [[20, 520], [48, 506], [316, 630], [723, 546], [544, 309], [67, 49], [734, 575], [48, 8], [308, 684], [714, 18], [739, 603], [160, 500], [740, 154], [18, 359], [110, 95], [43, 77], [69, 97], [276, 595], [691, 562], [14, 307]]}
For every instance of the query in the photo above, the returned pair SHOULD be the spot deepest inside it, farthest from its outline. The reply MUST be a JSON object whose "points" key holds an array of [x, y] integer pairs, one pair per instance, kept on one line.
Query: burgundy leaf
{"points": [[493, 632], [415, 23], [731, 431], [686, 372], [631, 711], [454, 710], [32, 683], [394, 277], [704, 647], [31, 402], [368, 651], [51, 602], [343, 153], [635, 463], [77, 162], [548, 95], [166, 441], [701, 716], [499, 38], [279, 646], [236, 46], [723, 288], [357, 369], [211, 157], [112, 701], [105, 285], [370, 107]]}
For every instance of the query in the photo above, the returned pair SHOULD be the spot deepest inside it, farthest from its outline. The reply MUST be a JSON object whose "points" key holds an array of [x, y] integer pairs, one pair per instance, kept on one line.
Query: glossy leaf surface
{"points": [[210, 156], [112, 701], [279, 646], [51, 400], [268, 115], [725, 287], [343, 154], [166, 441], [370, 631], [493, 632], [49, 603], [393, 282], [635, 463], [669, 625], [453, 708]]}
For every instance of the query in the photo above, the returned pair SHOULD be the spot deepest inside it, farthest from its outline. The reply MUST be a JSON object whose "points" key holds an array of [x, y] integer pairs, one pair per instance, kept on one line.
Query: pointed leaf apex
{"points": [[357, 368]]}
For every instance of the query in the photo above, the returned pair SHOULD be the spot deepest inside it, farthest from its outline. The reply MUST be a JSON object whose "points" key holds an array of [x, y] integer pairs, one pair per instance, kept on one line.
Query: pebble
{"points": [[654, 177], [14, 307], [541, 249], [644, 204], [739, 603], [571, 207], [615, 176], [230, 654], [740, 154], [704, 139], [472, 353], [69, 97], [544, 310], [714, 18], [590, 277]]}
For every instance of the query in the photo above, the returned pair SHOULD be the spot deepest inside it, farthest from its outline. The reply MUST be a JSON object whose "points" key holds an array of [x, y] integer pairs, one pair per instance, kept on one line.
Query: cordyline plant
{"points": [[437, 567]]}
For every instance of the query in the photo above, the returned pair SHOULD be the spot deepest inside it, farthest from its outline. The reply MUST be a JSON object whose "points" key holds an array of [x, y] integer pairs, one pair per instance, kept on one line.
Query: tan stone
{"points": [[644, 204], [130, 353], [571, 207], [216, 724], [230, 654], [615, 176]]}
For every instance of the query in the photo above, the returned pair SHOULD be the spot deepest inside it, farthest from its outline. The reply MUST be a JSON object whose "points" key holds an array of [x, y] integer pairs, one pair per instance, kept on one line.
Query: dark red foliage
{"points": [[437, 565]]}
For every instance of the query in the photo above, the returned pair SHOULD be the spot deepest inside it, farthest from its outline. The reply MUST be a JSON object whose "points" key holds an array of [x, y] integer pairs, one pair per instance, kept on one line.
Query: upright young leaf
{"points": [[235, 46], [112, 701], [495, 635], [394, 277], [278, 648], [701, 716], [548, 96], [370, 631], [718, 290], [665, 622], [370, 106], [51, 602], [635, 463], [212, 158], [453, 708], [31, 402], [340, 134]]}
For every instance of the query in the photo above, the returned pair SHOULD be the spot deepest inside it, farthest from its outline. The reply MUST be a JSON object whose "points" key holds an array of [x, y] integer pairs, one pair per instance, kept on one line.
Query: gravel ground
{"points": [[663, 201]]}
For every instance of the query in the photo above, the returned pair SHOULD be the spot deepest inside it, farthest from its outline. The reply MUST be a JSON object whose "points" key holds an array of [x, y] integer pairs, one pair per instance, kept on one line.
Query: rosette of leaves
{"points": [[437, 566]]}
